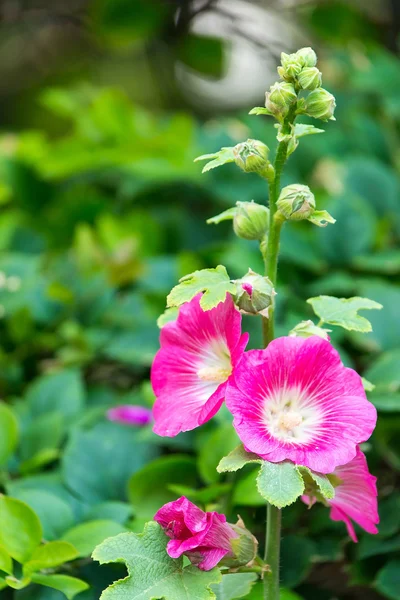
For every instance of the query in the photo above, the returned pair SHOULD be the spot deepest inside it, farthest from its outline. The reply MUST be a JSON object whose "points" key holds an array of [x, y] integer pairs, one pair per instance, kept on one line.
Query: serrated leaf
{"points": [[343, 312], [325, 487], [169, 314], [302, 129], [237, 459], [69, 586], [222, 157], [151, 572], [280, 483], [307, 328], [227, 215], [215, 284], [234, 585], [321, 218], [50, 555], [260, 110]]}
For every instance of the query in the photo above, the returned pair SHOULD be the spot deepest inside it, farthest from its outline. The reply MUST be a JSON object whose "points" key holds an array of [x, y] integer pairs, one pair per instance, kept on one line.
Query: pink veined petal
{"points": [[296, 401], [211, 557], [338, 515], [190, 371]]}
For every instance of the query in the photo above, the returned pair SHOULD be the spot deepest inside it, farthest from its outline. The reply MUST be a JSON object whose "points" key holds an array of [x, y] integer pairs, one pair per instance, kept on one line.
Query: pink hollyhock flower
{"points": [[130, 414], [355, 496], [296, 401], [204, 537], [190, 371]]}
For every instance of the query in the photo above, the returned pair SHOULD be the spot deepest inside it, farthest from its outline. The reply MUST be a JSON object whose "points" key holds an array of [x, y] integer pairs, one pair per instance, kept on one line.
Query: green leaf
{"points": [[119, 512], [152, 573], [385, 372], [321, 218], [388, 580], [280, 483], [20, 528], [50, 555], [260, 110], [307, 328], [343, 312], [8, 433], [69, 586], [367, 385], [222, 440], [6, 563], [245, 492], [86, 536], [301, 129], [227, 215], [215, 284], [148, 488], [296, 558], [324, 486], [61, 392], [237, 459], [234, 586], [222, 157], [17, 584], [169, 314], [386, 402]]}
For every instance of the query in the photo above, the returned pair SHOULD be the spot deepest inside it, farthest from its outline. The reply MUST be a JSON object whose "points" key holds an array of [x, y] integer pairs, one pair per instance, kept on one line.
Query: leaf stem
{"points": [[273, 531]]}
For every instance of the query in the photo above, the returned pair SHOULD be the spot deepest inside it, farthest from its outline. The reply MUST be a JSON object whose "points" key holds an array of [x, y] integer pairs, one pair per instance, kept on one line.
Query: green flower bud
{"points": [[320, 104], [310, 78], [254, 294], [296, 202], [251, 220], [280, 97], [306, 57], [251, 156], [244, 547], [291, 66]]}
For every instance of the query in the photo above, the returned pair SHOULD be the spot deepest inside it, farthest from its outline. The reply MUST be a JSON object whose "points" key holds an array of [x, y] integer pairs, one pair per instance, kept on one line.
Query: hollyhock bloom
{"points": [[190, 371], [355, 496], [130, 414], [204, 537], [295, 400]]}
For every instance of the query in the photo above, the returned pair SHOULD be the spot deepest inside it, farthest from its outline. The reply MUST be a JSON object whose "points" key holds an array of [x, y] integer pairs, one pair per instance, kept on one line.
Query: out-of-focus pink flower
{"points": [[355, 496], [204, 537], [295, 400], [190, 371], [130, 414]]}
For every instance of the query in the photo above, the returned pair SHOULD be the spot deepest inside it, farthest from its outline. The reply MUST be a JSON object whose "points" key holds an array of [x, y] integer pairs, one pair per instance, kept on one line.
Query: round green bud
{"points": [[251, 156], [296, 202], [310, 78], [254, 294], [320, 104], [280, 97], [291, 66], [244, 547], [306, 57], [251, 220]]}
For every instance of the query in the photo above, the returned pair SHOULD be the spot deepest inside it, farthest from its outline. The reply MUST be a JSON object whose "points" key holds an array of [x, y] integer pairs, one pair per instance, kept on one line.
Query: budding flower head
{"points": [[244, 547], [291, 66], [251, 156], [251, 220], [306, 57], [254, 294], [280, 97], [320, 104], [296, 202], [310, 78]]}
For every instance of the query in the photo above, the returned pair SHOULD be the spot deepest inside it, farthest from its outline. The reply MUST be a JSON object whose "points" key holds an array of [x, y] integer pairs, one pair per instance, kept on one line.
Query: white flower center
{"points": [[216, 374], [291, 416], [214, 366]]}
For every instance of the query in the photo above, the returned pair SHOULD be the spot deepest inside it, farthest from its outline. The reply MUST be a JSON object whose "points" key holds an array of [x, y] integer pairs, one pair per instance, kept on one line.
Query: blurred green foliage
{"points": [[97, 225]]}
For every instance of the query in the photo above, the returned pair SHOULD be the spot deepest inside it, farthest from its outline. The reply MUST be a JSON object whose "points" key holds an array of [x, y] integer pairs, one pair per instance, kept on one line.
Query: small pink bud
{"points": [[130, 414]]}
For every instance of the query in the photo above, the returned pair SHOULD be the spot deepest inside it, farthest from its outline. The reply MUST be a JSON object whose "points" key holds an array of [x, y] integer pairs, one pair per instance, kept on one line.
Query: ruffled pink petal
{"points": [[190, 371], [356, 496], [329, 412], [211, 557], [181, 516]]}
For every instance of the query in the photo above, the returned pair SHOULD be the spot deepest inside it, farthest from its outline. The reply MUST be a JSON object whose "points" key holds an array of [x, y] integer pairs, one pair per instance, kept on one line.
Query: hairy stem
{"points": [[273, 532]]}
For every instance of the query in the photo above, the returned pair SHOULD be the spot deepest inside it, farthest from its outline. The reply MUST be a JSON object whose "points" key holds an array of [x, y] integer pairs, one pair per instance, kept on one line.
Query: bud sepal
{"points": [[252, 157], [244, 547], [320, 104], [254, 294], [296, 202]]}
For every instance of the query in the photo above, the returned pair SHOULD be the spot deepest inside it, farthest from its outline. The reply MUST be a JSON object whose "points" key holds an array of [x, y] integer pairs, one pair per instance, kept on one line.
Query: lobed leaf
{"points": [[237, 459], [280, 483], [222, 157], [322, 482], [151, 572], [234, 585], [215, 284], [343, 312]]}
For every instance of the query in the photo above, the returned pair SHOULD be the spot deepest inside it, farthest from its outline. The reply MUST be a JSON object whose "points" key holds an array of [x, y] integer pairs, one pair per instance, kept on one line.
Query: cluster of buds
{"points": [[299, 72], [252, 157]]}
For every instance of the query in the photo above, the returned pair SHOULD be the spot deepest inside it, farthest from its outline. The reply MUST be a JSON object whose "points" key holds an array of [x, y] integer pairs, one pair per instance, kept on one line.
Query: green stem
{"points": [[273, 532]]}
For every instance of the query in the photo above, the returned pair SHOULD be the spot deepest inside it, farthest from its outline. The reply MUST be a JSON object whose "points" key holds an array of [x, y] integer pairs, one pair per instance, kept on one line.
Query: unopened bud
{"points": [[310, 78], [296, 202], [291, 66], [252, 156], [254, 294], [306, 57], [244, 547], [320, 104], [251, 220], [280, 97]]}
